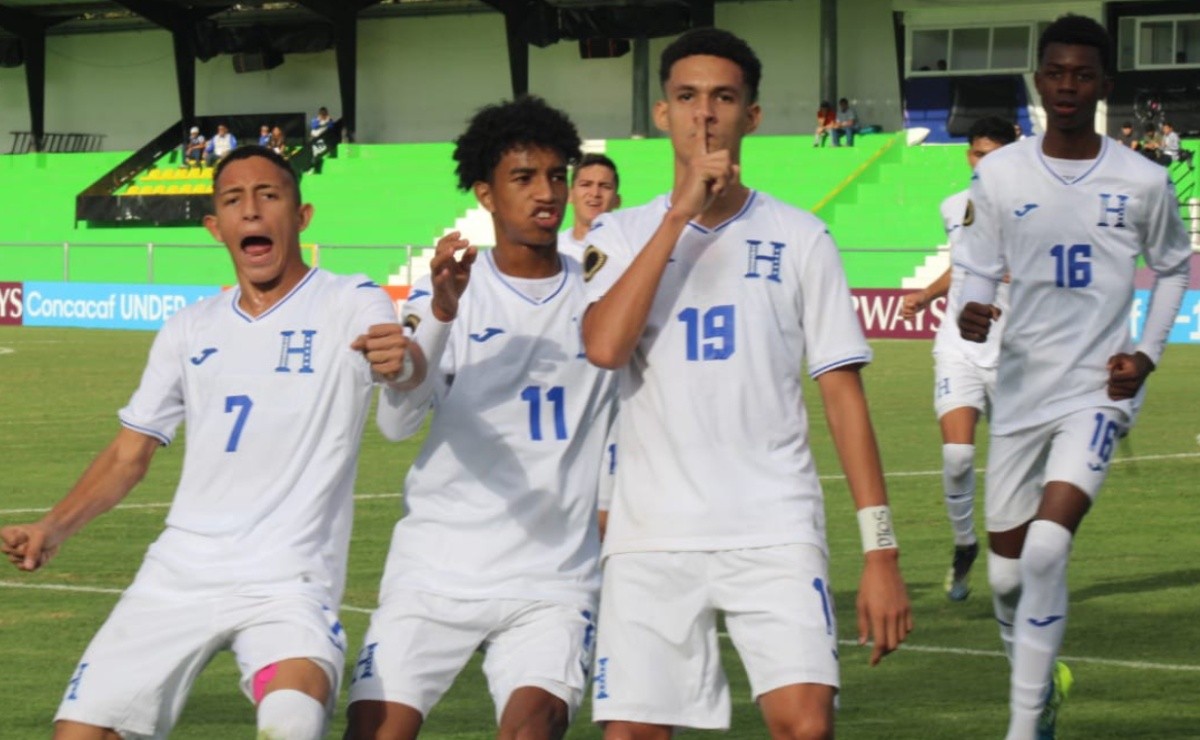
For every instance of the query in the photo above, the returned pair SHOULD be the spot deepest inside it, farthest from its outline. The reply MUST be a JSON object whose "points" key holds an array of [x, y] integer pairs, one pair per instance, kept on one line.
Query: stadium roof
{"points": [[99, 16]]}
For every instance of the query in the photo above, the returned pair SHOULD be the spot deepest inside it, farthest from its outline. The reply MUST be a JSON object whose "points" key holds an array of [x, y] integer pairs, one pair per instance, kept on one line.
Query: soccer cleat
{"points": [[958, 580], [1060, 686]]}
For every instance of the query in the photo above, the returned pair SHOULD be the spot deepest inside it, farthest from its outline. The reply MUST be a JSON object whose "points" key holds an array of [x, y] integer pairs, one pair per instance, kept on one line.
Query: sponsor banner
{"points": [[1187, 321], [107, 305], [11, 307], [879, 313]]}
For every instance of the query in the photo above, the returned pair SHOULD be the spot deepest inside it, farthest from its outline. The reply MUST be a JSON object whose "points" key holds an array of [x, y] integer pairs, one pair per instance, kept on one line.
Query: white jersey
{"points": [[714, 451], [1071, 245], [501, 500], [274, 407], [570, 246], [948, 339]]}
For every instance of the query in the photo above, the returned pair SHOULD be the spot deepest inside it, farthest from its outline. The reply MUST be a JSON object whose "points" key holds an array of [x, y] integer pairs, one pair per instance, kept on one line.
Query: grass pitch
{"points": [[1133, 639]]}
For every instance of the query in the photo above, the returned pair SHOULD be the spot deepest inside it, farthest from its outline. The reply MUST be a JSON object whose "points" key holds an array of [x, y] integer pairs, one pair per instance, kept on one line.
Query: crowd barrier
{"points": [[138, 306]]}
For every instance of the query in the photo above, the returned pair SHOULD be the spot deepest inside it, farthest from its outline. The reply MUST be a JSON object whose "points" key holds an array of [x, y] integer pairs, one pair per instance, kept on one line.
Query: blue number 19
{"points": [[718, 332]]}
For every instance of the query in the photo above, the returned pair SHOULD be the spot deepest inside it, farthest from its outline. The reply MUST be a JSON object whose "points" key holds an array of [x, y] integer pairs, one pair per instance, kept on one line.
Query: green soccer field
{"points": [[1133, 639]]}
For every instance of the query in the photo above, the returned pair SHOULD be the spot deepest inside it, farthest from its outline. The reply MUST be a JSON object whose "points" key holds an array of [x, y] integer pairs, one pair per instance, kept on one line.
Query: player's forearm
{"points": [[1169, 289], [614, 324], [938, 288], [978, 289], [849, 422], [109, 478]]}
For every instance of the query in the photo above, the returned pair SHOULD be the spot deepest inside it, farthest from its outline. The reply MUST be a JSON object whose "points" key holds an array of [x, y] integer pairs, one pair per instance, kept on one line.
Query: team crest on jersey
{"points": [[411, 322], [593, 260], [969, 216]]}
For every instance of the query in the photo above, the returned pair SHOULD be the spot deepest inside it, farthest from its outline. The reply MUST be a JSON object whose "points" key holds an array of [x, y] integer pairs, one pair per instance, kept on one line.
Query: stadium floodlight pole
{"points": [[829, 28], [641, 88]]}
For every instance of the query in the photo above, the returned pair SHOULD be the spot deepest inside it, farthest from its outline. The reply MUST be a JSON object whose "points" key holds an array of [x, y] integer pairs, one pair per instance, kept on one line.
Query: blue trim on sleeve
{"points": [[163, 439], [855, 360]]}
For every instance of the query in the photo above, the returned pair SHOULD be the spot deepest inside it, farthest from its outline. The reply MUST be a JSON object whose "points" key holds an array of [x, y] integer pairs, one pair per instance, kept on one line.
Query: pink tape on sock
{"points": [[261, 679]]}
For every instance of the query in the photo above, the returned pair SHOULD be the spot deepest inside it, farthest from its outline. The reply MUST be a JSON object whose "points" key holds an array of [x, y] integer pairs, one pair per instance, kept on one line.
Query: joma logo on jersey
{"points": [[1108, 211], [774, 259], [287, 352]]}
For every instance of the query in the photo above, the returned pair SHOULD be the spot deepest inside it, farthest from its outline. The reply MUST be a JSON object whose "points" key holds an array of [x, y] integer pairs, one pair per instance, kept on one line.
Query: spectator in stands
{"points": [[1172, 150], [826, 117], [1128, 138], [321, 123], [1151, 145], [846, 123], [264, 135], [277, 143], [193, 151], [219, 145]]}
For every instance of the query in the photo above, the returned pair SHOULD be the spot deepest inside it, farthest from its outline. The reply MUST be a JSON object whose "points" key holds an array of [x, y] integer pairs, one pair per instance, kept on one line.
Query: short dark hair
{"points": [[717, 43], [254, 150], [999, 130], [591, 159], [498, 129], [1078, 30]]}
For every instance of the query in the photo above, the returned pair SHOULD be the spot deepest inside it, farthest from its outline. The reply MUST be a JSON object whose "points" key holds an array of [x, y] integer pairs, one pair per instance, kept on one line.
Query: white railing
{"points": [[409, 273]]}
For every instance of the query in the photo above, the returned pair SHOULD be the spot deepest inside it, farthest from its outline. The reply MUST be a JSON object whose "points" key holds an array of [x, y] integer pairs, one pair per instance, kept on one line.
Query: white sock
{"points": [[958, 482], [1004, 576], [1041, 623], [287, 714]]}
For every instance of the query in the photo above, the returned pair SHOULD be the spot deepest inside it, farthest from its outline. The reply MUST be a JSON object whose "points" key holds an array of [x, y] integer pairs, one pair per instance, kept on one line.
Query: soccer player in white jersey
{"points": [[1067, 215], [498, 548], [709, 300], [595, 190], [273, 381], [964, 372]]}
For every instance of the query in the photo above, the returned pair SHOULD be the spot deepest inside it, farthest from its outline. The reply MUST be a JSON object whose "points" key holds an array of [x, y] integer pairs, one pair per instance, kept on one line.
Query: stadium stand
{"points": [[880, 199]]}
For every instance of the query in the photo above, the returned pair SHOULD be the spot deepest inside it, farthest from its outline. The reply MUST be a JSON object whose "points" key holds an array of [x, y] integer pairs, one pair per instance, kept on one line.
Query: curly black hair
{"points": [[1078, 30], [713, 42], [498, 129]]}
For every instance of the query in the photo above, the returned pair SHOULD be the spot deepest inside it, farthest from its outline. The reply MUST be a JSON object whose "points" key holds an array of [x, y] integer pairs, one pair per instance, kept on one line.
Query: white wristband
{"points": [[407, 370], [875, 526]]}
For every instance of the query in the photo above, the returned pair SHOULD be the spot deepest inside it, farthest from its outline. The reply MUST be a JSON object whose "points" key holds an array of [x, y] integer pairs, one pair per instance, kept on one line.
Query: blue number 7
{"points": [[243, 403]]}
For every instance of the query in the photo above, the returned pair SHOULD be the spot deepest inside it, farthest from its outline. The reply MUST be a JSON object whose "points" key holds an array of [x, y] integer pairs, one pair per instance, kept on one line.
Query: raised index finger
{"points": [[700, 119]]}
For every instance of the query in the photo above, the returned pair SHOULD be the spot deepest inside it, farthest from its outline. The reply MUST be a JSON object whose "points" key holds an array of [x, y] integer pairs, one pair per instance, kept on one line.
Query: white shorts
{"points": [[959, 383], [1075, 449], [658, 659], [418, 642], [136, 674]]}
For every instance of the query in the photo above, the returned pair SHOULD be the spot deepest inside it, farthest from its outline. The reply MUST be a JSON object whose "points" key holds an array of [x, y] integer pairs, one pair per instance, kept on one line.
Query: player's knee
{"points": [[287, 714], [802, 726], [547, 717], [1004, 576], [958, 460], [1047, 547]]}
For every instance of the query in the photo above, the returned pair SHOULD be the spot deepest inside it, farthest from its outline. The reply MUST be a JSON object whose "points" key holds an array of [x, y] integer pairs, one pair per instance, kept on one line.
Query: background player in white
{"points": [[498, 549], [595, 190], [273, 382], [964, 372], [709, 300], [1066, 215]]}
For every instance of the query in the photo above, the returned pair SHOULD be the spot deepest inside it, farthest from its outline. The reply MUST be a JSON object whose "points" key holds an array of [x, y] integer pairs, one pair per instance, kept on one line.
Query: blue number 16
{"points": [[1072, 266]]}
